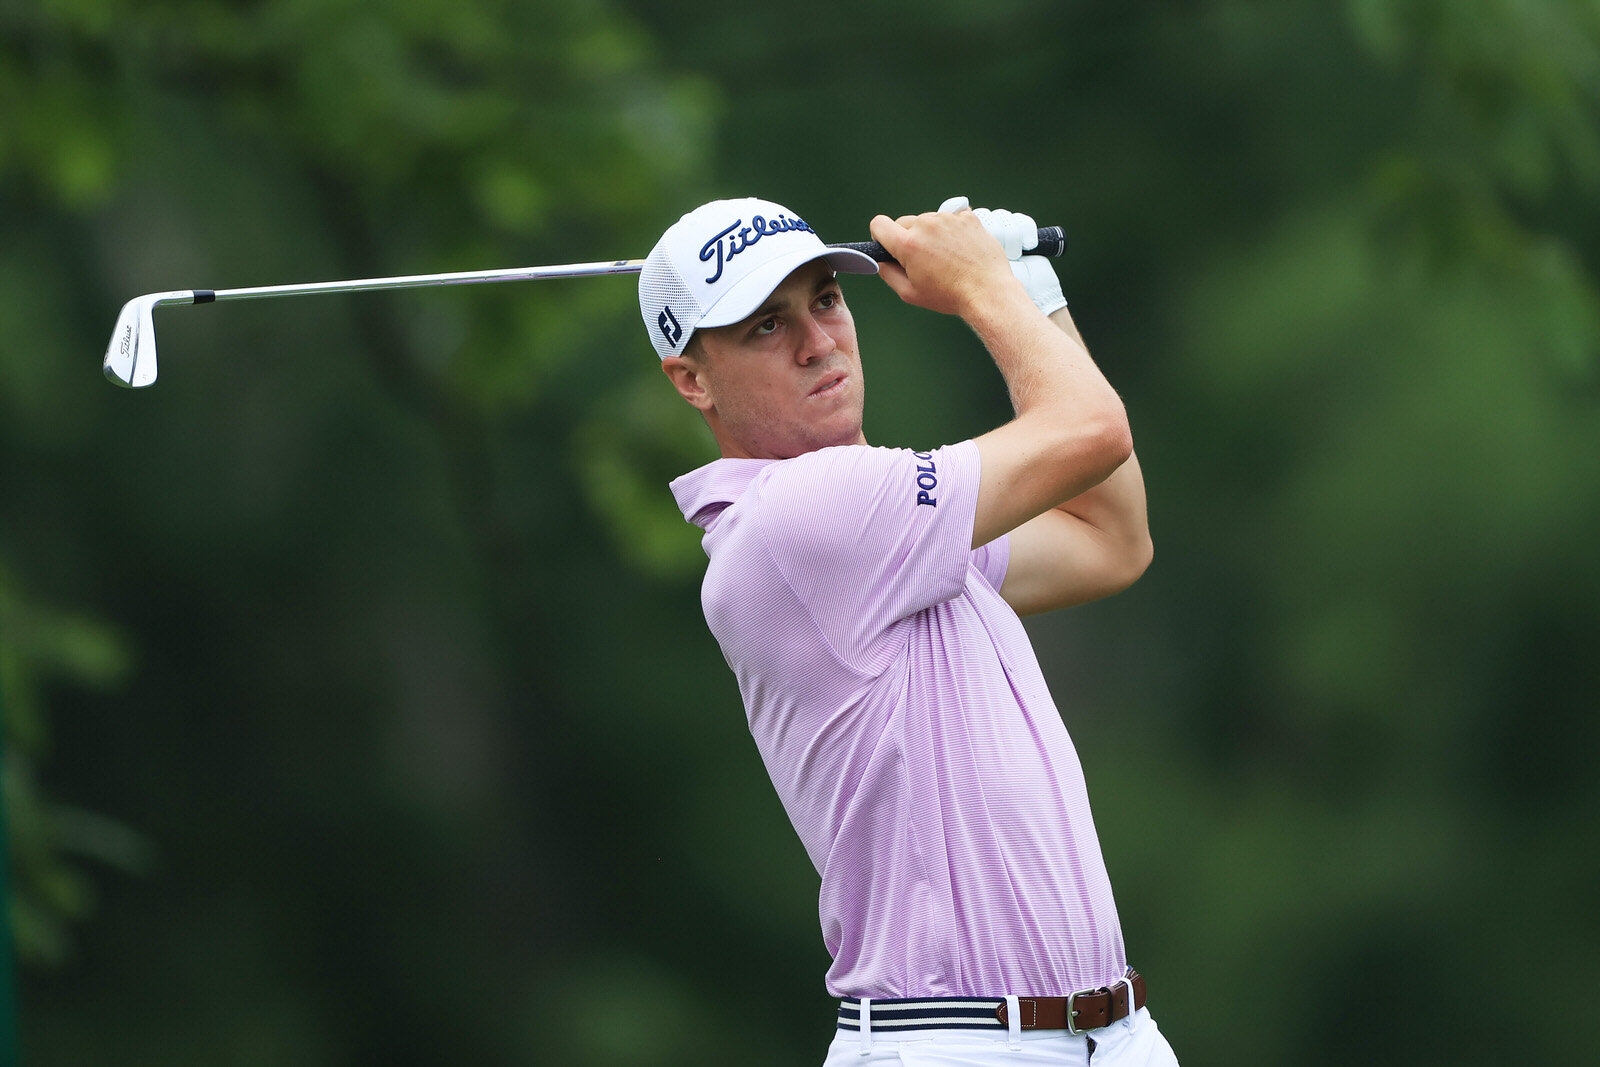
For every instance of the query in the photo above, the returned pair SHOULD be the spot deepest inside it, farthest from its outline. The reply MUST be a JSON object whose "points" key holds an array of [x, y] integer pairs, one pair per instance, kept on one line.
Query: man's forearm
{"points": [[1055, 379], [1117, 505], [1062, 317]]}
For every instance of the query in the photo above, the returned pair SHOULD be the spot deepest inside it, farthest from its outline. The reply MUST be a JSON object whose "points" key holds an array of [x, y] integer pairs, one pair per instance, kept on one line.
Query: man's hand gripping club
{"points": [[1018, 234], [946, 262]]}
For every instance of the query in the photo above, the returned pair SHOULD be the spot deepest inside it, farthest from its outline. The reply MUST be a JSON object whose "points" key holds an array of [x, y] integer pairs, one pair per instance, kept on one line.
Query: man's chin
{"points": [[852, 436]]}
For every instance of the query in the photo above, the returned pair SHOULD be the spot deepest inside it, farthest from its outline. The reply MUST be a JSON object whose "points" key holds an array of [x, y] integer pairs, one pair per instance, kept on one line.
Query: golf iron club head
{"points": [[131, 356]]}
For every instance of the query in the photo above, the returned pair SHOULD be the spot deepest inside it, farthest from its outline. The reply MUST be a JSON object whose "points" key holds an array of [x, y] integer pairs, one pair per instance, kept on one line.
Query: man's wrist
{"points": [[998, 307]]}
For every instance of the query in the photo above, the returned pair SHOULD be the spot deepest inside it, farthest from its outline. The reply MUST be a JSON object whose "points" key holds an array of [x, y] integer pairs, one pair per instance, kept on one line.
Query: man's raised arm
{"points": [[1070, 432]]}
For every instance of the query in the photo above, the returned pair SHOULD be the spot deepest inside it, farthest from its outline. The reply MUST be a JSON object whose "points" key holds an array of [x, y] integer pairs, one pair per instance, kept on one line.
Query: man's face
{"points": [[784, 381]]}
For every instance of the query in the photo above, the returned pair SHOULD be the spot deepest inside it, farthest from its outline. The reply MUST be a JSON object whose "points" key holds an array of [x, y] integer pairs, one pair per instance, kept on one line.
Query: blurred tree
{"points": [[47, 838], [346, 726]]}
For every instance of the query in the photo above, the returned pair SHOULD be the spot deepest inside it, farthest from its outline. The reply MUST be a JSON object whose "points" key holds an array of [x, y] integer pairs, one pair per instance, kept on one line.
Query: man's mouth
{"points": [[831, 384]]}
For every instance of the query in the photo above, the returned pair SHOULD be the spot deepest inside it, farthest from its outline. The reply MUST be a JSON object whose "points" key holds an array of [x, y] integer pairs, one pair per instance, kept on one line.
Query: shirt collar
{"points": [[705, 491]]}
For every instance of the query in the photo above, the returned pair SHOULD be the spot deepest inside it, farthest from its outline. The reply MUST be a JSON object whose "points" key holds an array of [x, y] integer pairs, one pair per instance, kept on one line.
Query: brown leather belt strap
{"points": [[1080, 1011]]}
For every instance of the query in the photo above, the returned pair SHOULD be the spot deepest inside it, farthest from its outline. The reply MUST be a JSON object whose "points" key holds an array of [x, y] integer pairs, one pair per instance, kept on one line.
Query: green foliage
{"points": [[384, 632], [51, 890], [635, 442]]}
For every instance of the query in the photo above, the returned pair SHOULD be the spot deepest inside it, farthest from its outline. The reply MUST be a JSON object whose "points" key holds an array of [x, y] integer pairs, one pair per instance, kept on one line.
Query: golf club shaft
{"points": [[1052, 242], [416, 281]]}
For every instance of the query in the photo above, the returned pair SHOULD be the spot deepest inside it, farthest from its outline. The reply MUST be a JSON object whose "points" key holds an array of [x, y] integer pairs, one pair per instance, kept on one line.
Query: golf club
{"points": [[131, 356]]}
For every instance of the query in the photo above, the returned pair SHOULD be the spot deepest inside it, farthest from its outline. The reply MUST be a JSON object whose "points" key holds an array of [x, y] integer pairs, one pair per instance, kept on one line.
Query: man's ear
{"points": [[686, 378]]}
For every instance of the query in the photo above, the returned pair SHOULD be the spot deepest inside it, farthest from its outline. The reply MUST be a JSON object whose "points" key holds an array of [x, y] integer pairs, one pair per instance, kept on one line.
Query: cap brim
{"points": [[745, 298]]}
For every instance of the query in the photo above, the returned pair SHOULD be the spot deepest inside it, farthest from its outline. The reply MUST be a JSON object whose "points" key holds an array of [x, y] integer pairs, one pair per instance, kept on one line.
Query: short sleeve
{"points": [[992, 560], [866, 537]]}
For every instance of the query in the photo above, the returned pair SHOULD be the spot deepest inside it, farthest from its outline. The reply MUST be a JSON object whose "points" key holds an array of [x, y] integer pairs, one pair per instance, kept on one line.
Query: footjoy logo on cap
{"points": [[740, 237], [669, 327]]}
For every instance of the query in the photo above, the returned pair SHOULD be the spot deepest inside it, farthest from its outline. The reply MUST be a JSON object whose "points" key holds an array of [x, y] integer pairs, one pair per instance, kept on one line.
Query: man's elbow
{"points": [[1127, 564], [1119, 565], [1140, 555], [1072, 451], [1110, 439]]}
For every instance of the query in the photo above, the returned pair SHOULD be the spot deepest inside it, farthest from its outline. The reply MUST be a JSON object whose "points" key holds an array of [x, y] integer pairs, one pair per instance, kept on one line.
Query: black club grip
{"points": [[1052, 242]]}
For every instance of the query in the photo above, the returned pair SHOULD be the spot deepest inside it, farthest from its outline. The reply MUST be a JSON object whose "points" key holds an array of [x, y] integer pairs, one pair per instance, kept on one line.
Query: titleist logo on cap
{"points": [[738, 237]]}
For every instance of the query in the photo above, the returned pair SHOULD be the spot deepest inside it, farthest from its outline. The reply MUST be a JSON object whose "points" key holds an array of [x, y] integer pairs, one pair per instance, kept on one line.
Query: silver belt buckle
{"points": [[1072, 1013]]}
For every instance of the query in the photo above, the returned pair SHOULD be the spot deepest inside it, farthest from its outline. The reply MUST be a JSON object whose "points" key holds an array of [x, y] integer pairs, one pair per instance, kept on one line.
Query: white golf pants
{"points": [[1131, 1042]]}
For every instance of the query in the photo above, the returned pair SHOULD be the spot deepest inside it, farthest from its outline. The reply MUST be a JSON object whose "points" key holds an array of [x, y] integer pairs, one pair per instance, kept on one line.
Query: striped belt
{"points": [[1076, 1013]]}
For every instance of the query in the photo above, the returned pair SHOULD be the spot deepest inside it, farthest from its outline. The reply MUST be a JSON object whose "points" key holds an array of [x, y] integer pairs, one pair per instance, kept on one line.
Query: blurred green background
{"points": [[359, 705]]}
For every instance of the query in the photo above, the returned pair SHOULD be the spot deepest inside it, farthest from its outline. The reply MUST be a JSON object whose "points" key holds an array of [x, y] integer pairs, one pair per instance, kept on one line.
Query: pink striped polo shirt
{"points": [[901, 713]]}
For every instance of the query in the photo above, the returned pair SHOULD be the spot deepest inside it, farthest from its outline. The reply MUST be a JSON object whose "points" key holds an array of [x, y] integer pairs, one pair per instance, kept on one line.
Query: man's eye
{"points": [[828, 300], [766, 326]]}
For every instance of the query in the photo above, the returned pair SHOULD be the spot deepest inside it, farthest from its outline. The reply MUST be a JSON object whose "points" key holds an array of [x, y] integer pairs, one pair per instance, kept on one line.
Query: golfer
{"points": [[867, 600]]}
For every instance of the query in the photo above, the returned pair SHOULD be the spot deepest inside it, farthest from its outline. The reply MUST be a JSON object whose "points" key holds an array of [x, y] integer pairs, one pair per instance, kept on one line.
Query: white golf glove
{"points": [[1017, 233]]}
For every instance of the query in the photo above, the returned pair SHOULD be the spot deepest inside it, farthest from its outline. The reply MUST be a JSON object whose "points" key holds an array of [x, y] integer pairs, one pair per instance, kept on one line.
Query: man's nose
{"points": [[817, 342]]}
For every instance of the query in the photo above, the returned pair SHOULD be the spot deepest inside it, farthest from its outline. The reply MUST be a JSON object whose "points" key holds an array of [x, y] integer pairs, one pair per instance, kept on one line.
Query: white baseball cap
{"points": [[718, 263]]}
